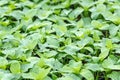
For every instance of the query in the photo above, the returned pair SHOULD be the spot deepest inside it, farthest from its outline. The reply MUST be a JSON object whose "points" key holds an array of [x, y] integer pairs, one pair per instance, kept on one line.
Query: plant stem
{"points": [[97, 76], [105, 76]]}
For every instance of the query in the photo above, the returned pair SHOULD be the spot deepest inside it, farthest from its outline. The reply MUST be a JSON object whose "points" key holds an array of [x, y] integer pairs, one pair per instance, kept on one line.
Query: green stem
{"points": [[86, 13], [97, 76], [105, 76], [106, 33]]}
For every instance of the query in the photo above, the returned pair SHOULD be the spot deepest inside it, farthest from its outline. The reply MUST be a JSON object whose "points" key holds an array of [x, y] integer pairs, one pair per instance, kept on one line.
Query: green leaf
{"points": [[114, 75], [40, 73], [31, 41], [37, 25], [66, 4], [113, 30], [60, 29], [43, 14], [94, 67], [59, 39], [50, 54], [86, 4], [65, 78], [71, 49], [80, 23], [104, 53], [87, 74], [96, 24], [26, 66], [109, 44], [115, 19], [89, 49], [110, 63], [52, 42], [75, 13], [3, 62], [96, 36], [15, 67], [17, 14], [47, 78], [6, 76], [28, 75], [114, 67], [66, 69], [41, 62], [75, 66], [84, 41]]}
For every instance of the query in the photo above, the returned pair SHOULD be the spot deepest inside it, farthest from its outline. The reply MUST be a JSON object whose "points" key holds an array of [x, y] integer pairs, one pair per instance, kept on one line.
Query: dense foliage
{"points": [[59, 39]]}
